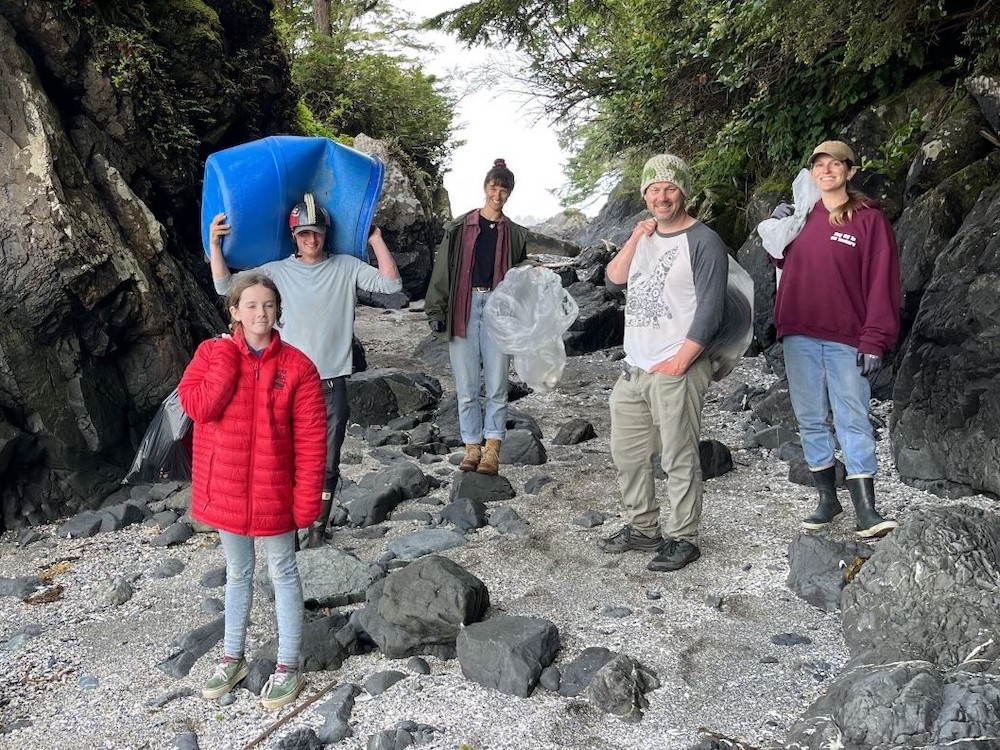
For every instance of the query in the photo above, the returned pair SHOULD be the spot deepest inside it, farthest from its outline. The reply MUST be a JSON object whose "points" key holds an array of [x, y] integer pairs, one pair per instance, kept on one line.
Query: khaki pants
{"points": [[653, 412]]}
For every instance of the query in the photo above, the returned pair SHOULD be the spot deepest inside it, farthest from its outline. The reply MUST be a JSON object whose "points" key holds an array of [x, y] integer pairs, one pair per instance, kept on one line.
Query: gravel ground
{"points": [[87, 676]]}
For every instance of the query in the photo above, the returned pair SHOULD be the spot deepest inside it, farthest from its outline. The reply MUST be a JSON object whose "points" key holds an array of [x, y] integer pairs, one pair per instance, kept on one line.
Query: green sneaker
{"points": [[226, 676], [281, 688]]}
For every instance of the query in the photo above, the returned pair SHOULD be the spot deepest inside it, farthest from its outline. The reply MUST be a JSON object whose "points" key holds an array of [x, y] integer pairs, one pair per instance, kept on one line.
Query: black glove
{"points": [[869, 363], [437, 326], [782, 211]]}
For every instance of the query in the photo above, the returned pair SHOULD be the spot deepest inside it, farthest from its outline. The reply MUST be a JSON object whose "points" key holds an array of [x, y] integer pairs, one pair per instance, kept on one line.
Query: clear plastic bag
{"points": [[735, 333], [526, 315], [777, 233], [165, 450]]}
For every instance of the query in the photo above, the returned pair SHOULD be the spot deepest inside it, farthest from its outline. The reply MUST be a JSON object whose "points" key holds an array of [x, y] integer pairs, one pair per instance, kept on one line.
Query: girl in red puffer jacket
{"points": [[257, 470]]}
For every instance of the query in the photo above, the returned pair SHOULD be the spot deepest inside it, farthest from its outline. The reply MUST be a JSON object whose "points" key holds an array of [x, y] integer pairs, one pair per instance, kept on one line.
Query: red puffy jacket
{"points": [[259, 436]]}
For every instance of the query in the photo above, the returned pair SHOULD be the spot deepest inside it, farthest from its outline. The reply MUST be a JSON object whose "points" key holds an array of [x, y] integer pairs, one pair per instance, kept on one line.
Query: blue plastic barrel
{"points": [[256, 185]]}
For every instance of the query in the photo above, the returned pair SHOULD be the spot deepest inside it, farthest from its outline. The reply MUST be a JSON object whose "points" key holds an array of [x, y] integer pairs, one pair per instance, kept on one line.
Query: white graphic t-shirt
{"points": [[676, 291]]}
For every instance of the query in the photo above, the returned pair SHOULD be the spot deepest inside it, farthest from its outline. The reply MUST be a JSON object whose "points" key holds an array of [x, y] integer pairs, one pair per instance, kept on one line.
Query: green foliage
{"points": [[309, 125], [360, 79], [137, 68], [741, 88], [899, 148], [375, 94]]}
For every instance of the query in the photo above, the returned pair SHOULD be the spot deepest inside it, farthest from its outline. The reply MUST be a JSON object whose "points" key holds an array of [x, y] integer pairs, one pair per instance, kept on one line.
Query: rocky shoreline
{"points": [[733, 649]]}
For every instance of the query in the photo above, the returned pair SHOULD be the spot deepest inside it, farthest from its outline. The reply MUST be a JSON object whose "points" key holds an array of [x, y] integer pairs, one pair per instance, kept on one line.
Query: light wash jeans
{"points": [[652, 412], [825, 376], [468, 356], [288, 602]]}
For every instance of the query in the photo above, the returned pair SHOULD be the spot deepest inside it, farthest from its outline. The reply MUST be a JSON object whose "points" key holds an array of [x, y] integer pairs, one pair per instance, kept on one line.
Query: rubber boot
{"points": [[490, 462], [317, 530], [829, 508], [870, 524], [473, 454]]}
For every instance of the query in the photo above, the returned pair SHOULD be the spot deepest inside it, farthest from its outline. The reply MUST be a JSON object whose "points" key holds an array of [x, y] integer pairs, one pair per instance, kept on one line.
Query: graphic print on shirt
{"points": [[644, 304], [844, 238]]}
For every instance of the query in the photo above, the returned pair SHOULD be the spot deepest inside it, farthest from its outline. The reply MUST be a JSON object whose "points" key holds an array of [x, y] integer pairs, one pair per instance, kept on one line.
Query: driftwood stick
{"points": [[287, 717]]}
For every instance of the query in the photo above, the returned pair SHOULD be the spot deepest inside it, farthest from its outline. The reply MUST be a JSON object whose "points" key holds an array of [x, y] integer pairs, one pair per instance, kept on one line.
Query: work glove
{"points": [[783, 211], [436, 325], [869, 363]]}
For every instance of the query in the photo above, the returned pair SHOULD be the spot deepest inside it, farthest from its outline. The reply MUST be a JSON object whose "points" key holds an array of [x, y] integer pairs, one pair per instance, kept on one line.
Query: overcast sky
{"points": [[494, 124]]}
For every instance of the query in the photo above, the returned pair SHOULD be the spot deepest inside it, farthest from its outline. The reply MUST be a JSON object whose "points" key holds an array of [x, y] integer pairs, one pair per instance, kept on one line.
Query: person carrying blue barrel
{"points": [[320, 291]]}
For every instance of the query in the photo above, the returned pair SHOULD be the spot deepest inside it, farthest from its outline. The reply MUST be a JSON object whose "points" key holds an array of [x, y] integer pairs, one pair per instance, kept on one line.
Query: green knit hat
{"points": [[666, 168]]}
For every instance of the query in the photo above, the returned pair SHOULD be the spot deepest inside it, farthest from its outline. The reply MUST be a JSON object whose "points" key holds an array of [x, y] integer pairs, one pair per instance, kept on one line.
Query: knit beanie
{"points": [[666, 168]]}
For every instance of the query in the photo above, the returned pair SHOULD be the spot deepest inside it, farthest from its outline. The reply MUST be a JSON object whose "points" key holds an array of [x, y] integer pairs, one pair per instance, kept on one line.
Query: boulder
{"points": [[507, 653], [819, 567], [946, 399], [929, 592], [421, 608]]}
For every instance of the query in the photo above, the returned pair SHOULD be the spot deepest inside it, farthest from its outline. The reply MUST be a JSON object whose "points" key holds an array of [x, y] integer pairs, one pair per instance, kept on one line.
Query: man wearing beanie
{"points": [[675, 269]]}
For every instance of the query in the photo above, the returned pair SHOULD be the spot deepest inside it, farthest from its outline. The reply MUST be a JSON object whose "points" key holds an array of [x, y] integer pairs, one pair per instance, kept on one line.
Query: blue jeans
{"points": [[824, 376], [468, 356], [288, 602]]}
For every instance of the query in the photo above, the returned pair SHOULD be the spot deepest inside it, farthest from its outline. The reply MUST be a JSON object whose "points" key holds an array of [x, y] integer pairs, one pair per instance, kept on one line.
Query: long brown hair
{"points": [[856, 200], [243, 282]]}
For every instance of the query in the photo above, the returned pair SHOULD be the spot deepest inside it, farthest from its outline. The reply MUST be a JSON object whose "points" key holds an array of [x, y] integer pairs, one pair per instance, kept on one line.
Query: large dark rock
{"points": [[946, 400], [104, 153], [376, 397], [600, 323], [481, 487], [372, 499], [507, 653], [952, 143], [408, 222], [929, 593], [579, 672], [928, 224], [909, 704], [616, 219], [818, 567], [191, 646], [521, 447], [420, 609], [755, 261]]}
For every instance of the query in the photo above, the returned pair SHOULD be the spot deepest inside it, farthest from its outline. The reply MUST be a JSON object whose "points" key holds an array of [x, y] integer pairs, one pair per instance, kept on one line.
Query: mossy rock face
{"points": [[157, 85]]}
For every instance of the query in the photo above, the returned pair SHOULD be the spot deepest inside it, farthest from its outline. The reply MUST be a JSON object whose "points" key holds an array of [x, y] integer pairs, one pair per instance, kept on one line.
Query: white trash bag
{"points": [[526, 315], [778, 233]]}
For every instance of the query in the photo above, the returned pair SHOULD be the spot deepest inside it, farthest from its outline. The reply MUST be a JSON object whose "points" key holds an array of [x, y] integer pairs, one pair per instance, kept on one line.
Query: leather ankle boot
{"points": [[829, 508], [490, 462], [473, 453], [317, 530], [870, 524]]}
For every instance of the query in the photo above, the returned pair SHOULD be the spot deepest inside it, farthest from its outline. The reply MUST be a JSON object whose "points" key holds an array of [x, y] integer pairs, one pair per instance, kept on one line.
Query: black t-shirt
{"points": [[486, 250]]}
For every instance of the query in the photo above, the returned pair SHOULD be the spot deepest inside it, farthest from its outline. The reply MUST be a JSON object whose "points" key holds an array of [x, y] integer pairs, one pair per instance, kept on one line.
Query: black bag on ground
{"points": [[165, 450]]}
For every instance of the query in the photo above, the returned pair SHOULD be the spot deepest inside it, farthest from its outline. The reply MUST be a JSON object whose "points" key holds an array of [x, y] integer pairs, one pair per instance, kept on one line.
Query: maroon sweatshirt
{"points": [[841, 283]]}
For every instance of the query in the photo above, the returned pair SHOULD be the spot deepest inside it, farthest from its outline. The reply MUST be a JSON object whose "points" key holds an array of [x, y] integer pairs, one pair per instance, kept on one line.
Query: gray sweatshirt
{"points": [[317, 305]]}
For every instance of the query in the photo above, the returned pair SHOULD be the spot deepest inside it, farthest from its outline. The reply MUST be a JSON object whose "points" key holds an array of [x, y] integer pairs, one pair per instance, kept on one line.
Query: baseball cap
{"points": [[836, 149]]}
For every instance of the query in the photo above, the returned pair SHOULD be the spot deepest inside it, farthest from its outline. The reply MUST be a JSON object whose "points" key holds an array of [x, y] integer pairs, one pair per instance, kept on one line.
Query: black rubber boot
{"points": [[829, 508], [317, 530], [870, 524]]}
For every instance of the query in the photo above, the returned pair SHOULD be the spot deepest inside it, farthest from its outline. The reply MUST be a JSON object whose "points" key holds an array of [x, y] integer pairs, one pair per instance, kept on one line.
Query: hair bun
{"points": [[500, 163]]}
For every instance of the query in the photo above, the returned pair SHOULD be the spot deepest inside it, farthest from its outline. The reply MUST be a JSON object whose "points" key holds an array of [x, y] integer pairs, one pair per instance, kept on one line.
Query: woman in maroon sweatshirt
{"points": [[837, 312]]}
